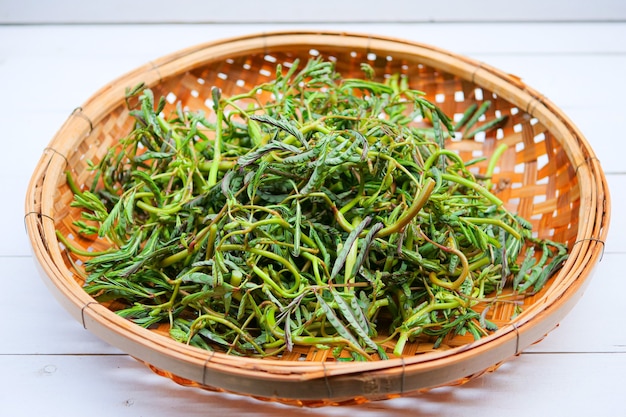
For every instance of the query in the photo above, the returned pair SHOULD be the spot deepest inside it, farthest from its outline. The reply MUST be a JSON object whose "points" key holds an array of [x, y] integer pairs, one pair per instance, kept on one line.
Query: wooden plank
{"points": [[590, 325], [35, 322], [616, 241], [249, 11], [465, 38], [532, 384]]}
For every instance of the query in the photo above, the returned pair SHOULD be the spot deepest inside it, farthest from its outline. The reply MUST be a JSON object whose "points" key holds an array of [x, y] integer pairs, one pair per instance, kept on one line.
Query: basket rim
{"points": [[197, 364]]}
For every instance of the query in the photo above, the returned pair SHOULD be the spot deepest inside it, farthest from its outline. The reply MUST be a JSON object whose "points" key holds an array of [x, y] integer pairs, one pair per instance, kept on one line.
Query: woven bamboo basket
{"points": [[549, 173]]}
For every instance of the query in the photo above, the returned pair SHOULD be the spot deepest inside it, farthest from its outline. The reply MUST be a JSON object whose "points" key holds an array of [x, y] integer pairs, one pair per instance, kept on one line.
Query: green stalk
{"points": [[309, 340], [415, 317], [217, 148], [270, 255], [420, 200], [474, 186], [495, 222], [493, 162], [196, 324], [76, 250]]}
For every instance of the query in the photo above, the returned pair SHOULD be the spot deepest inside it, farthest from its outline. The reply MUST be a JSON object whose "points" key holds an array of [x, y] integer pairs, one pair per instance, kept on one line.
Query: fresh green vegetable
{"points": [[323, 216]]}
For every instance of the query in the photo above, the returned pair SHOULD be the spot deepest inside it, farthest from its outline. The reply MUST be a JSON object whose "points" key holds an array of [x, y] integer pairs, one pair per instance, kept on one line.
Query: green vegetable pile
{"points": [[325, 216]]}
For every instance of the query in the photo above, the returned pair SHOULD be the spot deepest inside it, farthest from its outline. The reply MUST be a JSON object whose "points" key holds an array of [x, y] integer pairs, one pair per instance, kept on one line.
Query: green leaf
{"points": [[347, 245], [198, 278], [214, 337], [332, 318], [251, 157], [282, 125]]}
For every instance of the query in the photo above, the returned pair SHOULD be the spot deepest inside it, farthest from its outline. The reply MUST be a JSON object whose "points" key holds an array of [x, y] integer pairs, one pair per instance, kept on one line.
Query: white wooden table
{"points": [[50, 365]]}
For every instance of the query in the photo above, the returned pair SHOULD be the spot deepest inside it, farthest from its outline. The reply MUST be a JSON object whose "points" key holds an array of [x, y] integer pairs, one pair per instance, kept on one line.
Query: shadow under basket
{"points": [[550, 174]]}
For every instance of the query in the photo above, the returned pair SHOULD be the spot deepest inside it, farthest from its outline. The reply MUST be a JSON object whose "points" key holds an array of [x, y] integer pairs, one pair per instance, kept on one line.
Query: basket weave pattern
{"points": [[548, 174]]}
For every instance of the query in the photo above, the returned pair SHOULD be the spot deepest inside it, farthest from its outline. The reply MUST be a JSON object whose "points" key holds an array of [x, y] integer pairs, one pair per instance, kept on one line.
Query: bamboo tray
{"points": [[549, 173]]}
